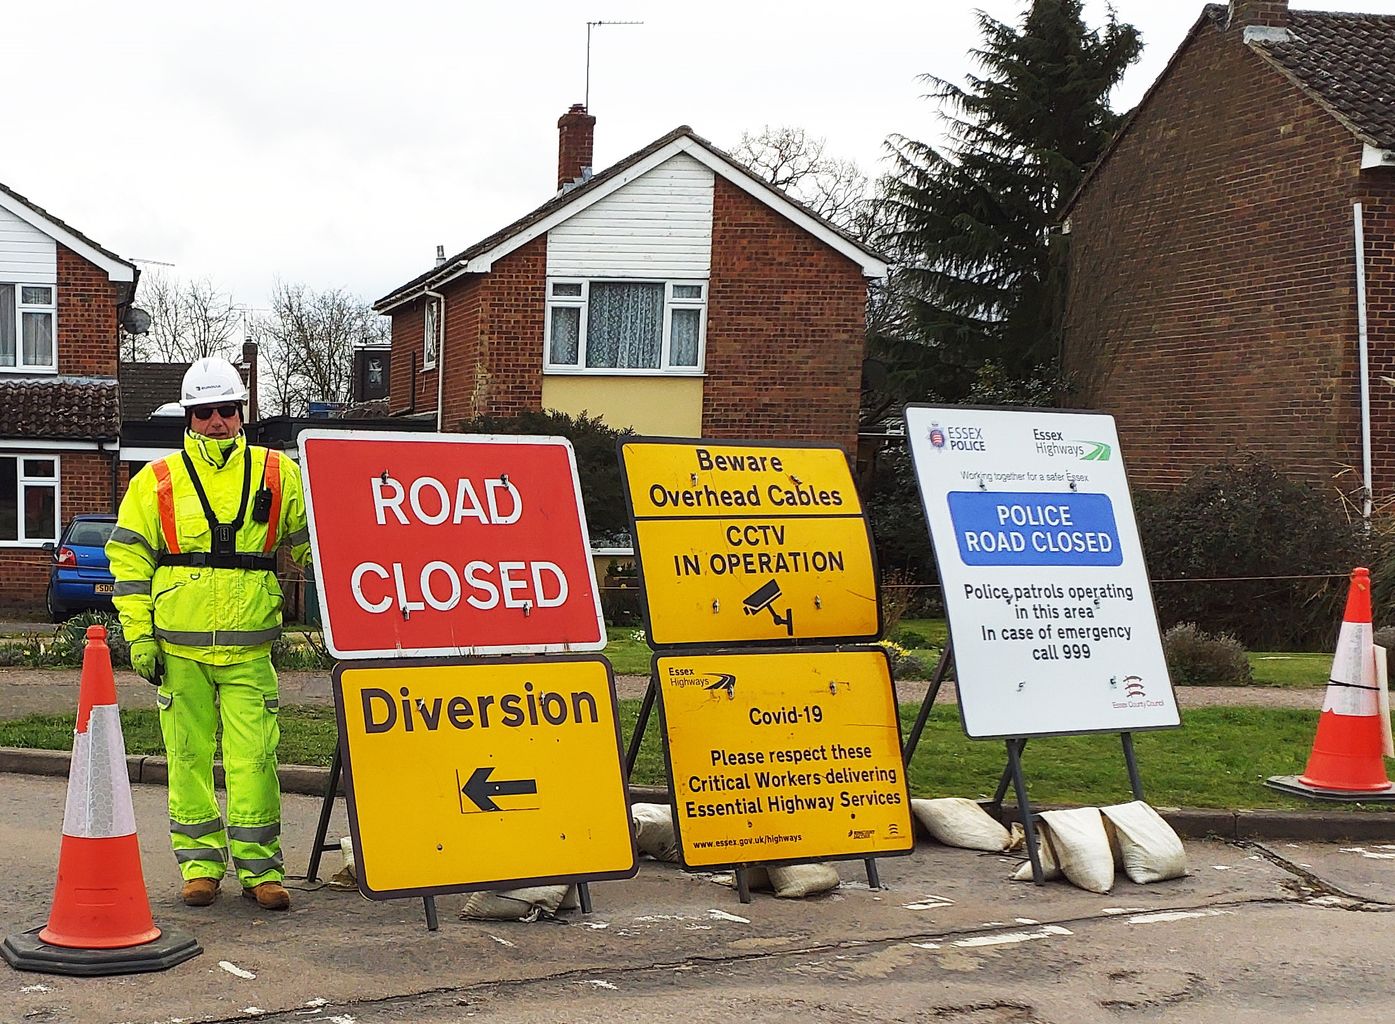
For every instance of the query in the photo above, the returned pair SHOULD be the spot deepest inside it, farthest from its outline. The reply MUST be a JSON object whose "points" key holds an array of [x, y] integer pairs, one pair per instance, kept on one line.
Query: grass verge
{"points": [[1220, 758]]}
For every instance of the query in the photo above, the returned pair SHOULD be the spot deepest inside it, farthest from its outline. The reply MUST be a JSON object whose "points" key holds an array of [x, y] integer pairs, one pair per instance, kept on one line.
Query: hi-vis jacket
{"points": [[170, 583]]}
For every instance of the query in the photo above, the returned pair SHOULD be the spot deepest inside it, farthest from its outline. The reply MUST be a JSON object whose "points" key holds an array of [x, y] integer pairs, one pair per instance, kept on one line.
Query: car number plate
{"points": [[101, 588]]}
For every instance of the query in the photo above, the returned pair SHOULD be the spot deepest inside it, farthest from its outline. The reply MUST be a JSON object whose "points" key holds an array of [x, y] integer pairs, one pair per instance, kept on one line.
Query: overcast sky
{"points": [[339, 143]]}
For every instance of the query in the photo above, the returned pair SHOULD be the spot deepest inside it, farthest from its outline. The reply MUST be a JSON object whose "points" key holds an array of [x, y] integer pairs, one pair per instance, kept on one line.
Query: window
{"points": [[432, 334], [27, 314], [626, 326], [28, 500]]}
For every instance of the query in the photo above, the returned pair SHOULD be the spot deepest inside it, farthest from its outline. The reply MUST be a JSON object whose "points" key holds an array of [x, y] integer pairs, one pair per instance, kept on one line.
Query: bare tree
{"points": [[797, 164], [188, 319], [308, 342]]}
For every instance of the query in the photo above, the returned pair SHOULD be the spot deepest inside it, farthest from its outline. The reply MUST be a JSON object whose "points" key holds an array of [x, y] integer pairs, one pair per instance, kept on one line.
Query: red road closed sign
{"points": [[449, 544]]}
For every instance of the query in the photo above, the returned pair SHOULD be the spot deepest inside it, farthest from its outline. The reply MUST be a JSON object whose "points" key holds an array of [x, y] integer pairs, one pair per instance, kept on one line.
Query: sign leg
{"points": [[743, 887], [1005, 779], [936, 681], [429, 903], [583, 893], [646, 708], [1131, 762], [874, 880], [326, 808], [1024, 807]]}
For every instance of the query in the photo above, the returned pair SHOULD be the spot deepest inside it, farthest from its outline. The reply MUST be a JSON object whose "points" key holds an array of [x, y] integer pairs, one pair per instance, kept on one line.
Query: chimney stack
{"points": [[249, 377], [1259, 14], [576, 136], [440, 255]]}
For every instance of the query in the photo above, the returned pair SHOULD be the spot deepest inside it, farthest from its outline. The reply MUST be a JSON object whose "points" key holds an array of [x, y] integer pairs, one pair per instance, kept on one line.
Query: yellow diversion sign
{"points": [[749, 543], [780, 756], [480, 774]]}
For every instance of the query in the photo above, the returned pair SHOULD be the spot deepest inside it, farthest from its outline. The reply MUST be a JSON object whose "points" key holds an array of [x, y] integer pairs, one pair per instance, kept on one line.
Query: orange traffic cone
{"points": [[100, 920], [1347, 759]]}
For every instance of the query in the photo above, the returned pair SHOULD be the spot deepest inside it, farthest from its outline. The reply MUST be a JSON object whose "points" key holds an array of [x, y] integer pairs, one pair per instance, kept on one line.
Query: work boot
{"points": [[269, 896], [199, 892]]}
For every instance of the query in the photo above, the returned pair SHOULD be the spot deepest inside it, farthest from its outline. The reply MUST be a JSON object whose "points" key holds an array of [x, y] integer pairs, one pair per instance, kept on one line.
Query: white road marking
{"points": [[504, 942], [1122, 910], [1174, 915], [1368, 854], [35, 988], [600, 984], [236, 971], [597, 925], [929, 902], [1008, 938], [722, 915]]}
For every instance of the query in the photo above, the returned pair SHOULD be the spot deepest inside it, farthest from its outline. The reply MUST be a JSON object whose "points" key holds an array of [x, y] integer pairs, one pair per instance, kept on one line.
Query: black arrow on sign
{"points": [[481, 791]]}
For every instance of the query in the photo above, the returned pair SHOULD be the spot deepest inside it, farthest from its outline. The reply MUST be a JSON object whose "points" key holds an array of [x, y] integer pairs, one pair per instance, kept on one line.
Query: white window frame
{"points": [[22, 485], [22, 307], [664, 369], [430, 333]]}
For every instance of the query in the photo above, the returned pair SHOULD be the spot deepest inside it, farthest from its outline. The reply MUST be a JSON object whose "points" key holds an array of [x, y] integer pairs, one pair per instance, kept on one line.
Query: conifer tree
{"points": [[970, 225]]}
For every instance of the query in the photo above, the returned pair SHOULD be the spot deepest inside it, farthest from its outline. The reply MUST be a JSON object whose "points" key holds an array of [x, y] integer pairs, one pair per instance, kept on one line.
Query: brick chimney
{"points": [[1271, 14], [576, 135], [248, 367]]}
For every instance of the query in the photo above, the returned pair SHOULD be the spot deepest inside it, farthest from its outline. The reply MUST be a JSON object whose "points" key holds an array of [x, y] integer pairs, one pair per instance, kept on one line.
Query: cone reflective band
{"points": [[1347, 753]]}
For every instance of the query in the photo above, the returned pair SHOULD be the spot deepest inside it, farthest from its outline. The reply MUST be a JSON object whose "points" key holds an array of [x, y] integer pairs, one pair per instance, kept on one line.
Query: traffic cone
{"points": [[100, 919], [1347, 759]]}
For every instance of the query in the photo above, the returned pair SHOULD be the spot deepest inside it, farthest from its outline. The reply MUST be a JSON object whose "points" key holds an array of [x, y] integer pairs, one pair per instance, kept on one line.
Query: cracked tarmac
{"points": [[1257, 932]]}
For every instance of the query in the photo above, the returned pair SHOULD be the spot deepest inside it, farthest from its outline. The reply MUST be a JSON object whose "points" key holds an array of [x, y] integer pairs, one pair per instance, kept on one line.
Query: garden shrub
{"points": [[620, 594], [1198, 658], [904, 664]]}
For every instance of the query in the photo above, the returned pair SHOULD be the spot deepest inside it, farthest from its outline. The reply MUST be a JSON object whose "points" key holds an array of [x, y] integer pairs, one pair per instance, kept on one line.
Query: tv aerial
{"points": [[589, 26]]}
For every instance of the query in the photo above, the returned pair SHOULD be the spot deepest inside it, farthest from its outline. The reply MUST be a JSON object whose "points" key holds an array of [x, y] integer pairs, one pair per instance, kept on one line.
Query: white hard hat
{"points": [[210, 380]]}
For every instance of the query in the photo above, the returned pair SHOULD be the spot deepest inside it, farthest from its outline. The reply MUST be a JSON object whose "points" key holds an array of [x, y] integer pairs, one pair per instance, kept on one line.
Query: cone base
{"points": [[1295, 786], [27, 952]]}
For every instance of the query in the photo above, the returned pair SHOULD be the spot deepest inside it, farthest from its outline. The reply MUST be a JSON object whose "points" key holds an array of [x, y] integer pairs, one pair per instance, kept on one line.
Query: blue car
{"points": [[81, 575]]}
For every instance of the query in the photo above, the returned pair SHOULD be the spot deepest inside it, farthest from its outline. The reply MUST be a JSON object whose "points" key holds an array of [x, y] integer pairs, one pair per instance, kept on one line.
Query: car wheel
{"points": [[56, 611]]}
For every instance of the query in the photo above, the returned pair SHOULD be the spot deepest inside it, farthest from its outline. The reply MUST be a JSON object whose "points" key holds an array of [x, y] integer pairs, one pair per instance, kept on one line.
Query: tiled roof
{"points": [[1347, 63], [147, 386], [85, 408]]}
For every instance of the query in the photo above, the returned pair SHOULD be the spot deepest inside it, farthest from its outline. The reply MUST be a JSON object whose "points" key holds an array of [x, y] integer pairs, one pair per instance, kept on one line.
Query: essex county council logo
{"points": [[937, 437]]}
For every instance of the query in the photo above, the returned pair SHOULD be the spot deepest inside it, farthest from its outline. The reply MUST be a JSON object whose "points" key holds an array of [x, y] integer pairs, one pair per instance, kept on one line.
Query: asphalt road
{"points": [[1254, 935]]}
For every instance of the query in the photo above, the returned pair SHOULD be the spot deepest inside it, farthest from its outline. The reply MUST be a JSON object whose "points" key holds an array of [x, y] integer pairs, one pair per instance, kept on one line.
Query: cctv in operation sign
{"points": [[1050, 610], [449, 544], [749, 543]]}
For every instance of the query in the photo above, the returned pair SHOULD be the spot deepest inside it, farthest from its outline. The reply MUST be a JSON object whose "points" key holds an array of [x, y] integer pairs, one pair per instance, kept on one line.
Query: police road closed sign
{"points": [[746, 543], [449, 544], [1050, 610], [481, 774], [782, 755]]}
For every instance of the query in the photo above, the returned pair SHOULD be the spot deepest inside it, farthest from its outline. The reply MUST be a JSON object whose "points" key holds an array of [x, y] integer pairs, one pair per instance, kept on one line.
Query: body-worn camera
{"points": [[261, 507], [224, 539]]}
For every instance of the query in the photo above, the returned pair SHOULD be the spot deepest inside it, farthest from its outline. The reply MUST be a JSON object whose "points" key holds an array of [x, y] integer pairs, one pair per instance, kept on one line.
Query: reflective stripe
{"points": [[271, 479], [130, 587], [218, 856], [263, 835], [272, 703], [121, 535], [299, 537], [222, 637], [163, 701], [203, 828], [259, 865], [99, 788], [164, 493]]}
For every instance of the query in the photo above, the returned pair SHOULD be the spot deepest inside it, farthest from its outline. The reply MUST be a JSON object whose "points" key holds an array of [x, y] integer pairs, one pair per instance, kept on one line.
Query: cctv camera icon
{"points": [[764, 599]]}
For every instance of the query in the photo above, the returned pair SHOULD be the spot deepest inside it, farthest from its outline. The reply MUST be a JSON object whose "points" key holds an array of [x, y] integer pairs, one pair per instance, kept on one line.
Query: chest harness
{"points": [[224, 553]]}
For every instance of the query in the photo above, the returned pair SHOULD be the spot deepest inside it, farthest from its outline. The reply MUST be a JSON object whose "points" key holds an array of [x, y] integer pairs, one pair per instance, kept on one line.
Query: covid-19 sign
{"points": [[449, 544], [1050, 611]]}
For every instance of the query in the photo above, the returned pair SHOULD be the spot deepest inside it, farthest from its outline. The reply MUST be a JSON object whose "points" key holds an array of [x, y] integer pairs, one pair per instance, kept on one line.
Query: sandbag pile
{"points": [[654, 832], [957, 821], [539, 902], [1087, 844]]}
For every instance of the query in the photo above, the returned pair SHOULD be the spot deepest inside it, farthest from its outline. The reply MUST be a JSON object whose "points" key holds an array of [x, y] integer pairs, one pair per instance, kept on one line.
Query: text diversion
{"points": [[441, 585]]}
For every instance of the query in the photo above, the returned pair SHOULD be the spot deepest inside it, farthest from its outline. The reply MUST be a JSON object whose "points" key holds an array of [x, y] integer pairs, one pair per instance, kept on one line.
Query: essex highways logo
{"points": [[720, 681]]}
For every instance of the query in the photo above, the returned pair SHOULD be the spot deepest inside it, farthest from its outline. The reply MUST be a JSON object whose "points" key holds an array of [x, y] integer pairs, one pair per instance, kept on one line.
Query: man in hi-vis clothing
{"points": [[194, 555]]}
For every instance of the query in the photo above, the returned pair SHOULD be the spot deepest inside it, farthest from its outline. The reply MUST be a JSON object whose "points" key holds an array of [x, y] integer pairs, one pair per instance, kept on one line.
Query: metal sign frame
{"points": [[772, 642], [707, 651], [346, 759]]}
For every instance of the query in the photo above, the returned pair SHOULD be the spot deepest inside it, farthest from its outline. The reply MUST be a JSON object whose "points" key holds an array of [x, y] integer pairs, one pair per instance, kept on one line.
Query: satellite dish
{"points": [[136, 321]]}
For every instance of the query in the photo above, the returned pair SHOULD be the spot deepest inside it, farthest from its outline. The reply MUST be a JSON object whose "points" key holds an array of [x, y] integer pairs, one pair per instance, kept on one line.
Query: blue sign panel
{"points": [[1022, 528]]}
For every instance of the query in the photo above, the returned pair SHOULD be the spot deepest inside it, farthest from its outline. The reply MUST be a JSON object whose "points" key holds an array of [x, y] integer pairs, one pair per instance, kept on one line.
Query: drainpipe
{"points": [[1364, 361], [440, 356]]}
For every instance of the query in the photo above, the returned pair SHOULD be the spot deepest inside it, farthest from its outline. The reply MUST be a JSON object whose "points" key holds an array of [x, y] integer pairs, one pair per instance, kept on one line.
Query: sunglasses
{"points": [[204, 412]]}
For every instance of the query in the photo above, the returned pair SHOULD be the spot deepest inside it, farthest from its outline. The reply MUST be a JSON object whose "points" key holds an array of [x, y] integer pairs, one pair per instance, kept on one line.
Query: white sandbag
{"points": [[1050, 870], [1149, 849], [795, 881], [1081, 846], [957, 821], [654, 832], [527, 904], [346, 847], [757, 879]]}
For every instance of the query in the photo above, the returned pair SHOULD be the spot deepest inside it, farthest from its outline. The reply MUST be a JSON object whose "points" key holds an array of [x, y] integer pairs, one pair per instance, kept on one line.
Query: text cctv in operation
{"points": [[439, 585]]}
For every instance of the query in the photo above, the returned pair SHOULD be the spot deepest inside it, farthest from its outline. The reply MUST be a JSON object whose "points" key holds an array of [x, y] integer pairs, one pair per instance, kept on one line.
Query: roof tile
{"points": [[86, 408]]}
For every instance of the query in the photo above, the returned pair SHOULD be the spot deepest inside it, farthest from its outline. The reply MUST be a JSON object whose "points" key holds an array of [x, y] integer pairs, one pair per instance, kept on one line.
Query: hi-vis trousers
{"points": [[191, 695]]}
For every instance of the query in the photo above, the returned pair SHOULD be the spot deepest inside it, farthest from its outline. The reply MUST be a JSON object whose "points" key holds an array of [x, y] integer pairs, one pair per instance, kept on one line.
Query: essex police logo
{"points": [[937, 436]]}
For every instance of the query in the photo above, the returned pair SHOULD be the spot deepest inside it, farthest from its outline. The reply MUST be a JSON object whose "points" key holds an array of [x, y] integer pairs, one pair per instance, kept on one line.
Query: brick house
{"points": [[61, 298], [1232, 254], [673, 292]]}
